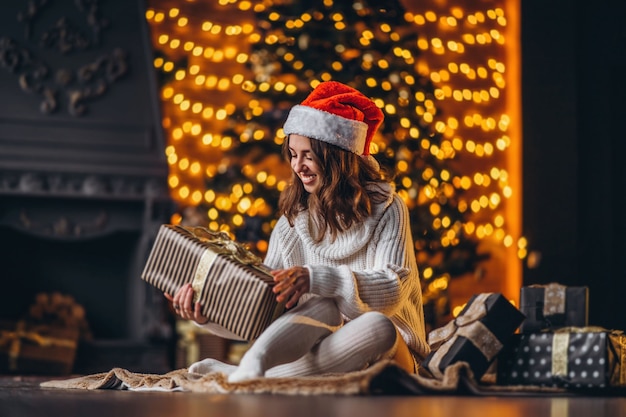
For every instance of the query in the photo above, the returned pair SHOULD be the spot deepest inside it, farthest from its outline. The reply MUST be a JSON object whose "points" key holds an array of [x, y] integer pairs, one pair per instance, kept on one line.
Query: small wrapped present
{"points": [[27, 348], [549, 307], [475, 336], [195, 343], [571, 357], [232, 285]]}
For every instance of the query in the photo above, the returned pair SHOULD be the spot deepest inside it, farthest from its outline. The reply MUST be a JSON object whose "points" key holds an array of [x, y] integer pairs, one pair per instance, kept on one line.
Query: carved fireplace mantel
{"points": [[81, 157]]}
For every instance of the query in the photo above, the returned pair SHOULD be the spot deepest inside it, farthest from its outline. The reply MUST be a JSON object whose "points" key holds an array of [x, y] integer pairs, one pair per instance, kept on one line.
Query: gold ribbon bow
{"points": [[219, 243], [222, 244], [15, 339], [467, 325]]}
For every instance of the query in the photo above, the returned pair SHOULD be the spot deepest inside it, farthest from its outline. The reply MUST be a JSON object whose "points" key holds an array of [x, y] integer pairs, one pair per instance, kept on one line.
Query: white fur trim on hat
{"points": [[307, 121]]}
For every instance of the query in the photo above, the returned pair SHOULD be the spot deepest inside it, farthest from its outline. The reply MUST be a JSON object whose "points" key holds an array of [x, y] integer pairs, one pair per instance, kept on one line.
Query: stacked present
{"points": [[553, 306], [476, 336], [44, 341], [195, 343], [232, 285], [557, 348]]}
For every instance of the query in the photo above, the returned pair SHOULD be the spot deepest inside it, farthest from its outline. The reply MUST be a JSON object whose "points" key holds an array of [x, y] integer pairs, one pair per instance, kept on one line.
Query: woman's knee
{"points": [[379, 325], [320, 308]]}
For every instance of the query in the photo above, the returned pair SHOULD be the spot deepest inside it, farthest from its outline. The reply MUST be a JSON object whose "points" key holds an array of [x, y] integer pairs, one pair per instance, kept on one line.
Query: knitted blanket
{"points": [[383, 378]]}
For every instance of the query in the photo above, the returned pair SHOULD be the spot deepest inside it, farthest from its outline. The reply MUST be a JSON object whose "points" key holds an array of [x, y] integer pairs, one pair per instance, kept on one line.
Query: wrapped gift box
{"points": [[36, 349], [232, 285], [475, 336], [195, 343], [549, 307], [570, 358]]}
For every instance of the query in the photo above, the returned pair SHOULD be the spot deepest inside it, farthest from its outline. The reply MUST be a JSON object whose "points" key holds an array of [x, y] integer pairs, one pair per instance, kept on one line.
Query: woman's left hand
{"points": [[183, 304], [291, 284]]}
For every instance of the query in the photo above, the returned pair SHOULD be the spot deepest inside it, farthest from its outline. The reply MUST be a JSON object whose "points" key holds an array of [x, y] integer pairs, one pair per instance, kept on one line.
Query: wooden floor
{"points": [[22, 397]]}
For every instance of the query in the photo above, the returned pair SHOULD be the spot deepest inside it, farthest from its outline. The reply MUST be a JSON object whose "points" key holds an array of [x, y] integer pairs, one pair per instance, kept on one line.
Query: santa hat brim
{"points": [[317, 124]]}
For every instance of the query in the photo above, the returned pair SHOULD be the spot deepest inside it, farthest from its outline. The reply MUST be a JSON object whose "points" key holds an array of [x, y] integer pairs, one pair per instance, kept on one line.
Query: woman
{"points": [[342, 253]]}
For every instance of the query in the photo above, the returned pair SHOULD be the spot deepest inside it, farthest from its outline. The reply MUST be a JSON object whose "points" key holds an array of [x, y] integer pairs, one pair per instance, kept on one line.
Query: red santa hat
{"points": [[338, 114]]}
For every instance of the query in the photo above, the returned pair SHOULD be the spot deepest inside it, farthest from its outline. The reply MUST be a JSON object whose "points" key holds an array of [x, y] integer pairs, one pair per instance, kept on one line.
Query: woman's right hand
{"points": [[183, 304]]}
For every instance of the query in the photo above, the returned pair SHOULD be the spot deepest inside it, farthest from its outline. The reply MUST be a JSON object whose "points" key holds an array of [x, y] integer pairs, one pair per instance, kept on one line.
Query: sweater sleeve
{"points": [[388, 283]]}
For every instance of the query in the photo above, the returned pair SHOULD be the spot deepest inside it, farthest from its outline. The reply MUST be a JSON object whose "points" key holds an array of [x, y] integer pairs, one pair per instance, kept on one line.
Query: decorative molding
{"points": [[86, 83], [63, 34], [112, 187], [64, 227], [103, 72]]}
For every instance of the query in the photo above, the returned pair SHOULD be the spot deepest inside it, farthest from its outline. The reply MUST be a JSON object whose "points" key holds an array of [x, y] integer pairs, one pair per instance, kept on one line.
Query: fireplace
{"points": [[83, 176]]}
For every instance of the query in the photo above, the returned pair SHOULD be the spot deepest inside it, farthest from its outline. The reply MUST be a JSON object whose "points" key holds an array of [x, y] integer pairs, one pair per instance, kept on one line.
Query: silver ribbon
{"points": [[554, 299]]}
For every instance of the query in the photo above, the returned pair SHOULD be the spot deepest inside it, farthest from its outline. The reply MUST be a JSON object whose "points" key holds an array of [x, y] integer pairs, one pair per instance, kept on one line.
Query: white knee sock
{"points": [[291, 348], [210, 365]]}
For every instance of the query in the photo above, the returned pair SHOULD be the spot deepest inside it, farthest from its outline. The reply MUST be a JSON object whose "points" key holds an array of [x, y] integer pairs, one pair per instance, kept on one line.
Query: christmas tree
{"points": [[370, 46]]}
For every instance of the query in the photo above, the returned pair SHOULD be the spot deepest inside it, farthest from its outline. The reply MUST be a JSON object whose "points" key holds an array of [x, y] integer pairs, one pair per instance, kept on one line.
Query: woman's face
{"points": [[303, 163]]}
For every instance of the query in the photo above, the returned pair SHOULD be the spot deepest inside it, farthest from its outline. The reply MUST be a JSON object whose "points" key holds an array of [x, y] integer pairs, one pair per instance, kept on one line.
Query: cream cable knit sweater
{"points": [[369, 267]]}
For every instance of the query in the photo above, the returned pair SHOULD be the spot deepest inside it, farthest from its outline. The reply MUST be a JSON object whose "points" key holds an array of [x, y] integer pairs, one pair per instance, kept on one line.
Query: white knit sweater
{"points": [[369, 267]]}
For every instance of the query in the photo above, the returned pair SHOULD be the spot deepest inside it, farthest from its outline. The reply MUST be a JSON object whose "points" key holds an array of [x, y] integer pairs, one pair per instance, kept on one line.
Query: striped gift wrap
{"points": [[232, 285]]}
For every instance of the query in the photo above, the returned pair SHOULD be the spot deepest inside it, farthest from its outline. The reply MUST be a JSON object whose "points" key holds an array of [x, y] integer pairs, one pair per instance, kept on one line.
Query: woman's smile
{"points": [[303, 162]]}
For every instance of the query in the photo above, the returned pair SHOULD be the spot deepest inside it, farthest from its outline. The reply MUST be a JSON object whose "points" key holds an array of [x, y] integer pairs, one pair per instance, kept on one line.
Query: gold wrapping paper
{"points": [[618, 341], [27, 341]]}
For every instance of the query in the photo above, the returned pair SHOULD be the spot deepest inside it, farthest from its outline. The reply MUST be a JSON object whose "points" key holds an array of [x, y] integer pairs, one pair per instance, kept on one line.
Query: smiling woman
{"points": [[341, 254]]}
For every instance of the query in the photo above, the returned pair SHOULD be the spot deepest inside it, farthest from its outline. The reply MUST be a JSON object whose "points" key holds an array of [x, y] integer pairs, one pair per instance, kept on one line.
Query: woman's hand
{"points": [[183, 304], [291, 284]]}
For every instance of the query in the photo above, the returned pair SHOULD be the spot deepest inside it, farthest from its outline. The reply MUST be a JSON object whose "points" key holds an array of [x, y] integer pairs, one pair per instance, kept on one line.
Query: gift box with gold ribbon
{"points": [[552, 306], [195, 343], [571, 357], [475, 336], [232, 285], [35, 349]]}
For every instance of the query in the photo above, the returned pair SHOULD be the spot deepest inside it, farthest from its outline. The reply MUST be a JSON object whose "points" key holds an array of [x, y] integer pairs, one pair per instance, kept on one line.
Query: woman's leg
{"points": [[403, 356], [289, 337], [355, 346]]}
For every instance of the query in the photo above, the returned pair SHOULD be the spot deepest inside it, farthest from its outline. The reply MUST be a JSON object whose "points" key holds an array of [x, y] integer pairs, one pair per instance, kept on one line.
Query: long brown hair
{"points": [[343, 199]]}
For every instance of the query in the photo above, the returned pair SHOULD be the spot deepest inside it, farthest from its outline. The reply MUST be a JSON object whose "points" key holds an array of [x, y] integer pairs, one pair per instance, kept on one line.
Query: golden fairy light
{"points": [[470, 54]]}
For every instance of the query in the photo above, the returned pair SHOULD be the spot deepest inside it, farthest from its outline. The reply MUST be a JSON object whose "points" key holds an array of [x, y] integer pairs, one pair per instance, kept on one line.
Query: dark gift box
{"points": [[475, 336], [232, 285], [549, 307], [575, 357], [37, 349]]}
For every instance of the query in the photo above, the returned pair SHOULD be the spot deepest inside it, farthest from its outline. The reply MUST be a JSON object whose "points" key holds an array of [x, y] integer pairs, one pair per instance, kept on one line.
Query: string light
{"points": [[462, 54]]}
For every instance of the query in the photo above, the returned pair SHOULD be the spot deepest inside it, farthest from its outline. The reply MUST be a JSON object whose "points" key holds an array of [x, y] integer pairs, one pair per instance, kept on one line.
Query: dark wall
{"points": [[574, 109]]}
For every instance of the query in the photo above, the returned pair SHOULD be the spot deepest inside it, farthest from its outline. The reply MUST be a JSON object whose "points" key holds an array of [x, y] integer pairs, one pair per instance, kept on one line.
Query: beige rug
{"points": [[383, 378]]}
